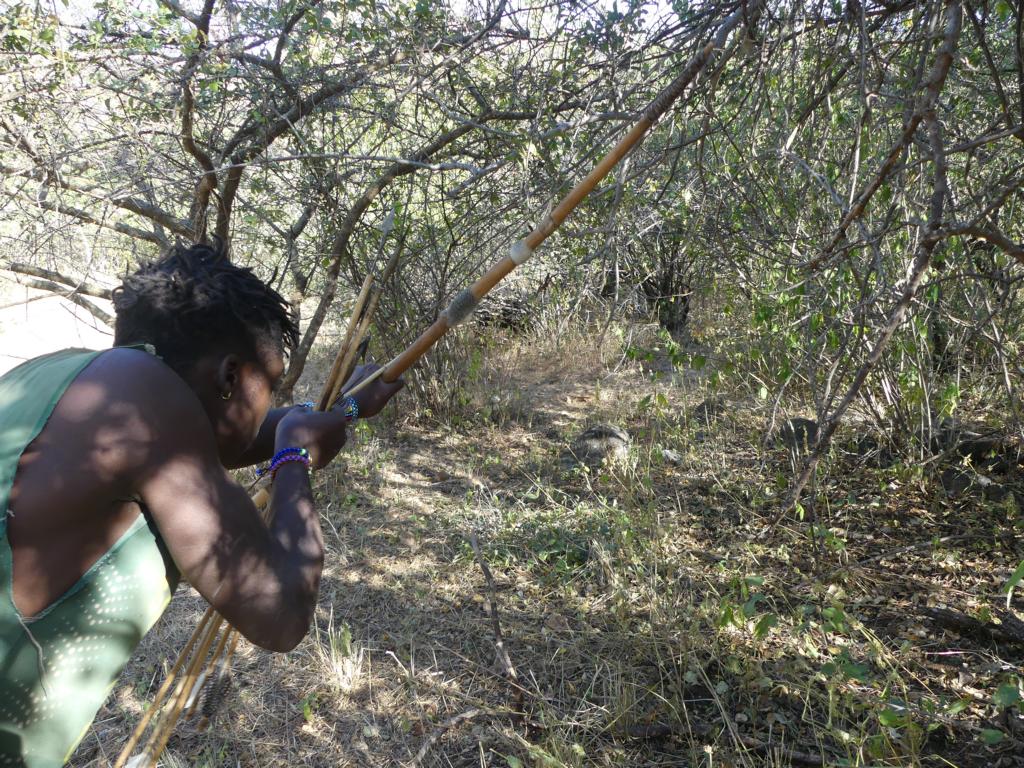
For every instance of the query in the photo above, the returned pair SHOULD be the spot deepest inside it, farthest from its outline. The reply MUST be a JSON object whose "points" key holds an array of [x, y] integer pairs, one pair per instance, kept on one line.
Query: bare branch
{"points": [[83, 287], [997, 238], [918, 269], [71, 295], [88, 218], [926, 105]]}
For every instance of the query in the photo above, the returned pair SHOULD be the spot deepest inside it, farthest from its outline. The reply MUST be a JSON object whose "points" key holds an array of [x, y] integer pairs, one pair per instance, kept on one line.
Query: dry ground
{"points": [[656, 614]]}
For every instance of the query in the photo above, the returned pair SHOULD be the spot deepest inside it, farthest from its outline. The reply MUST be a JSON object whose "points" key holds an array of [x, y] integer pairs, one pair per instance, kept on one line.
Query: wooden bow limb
{"points": [[346, 345], [465, 302], [362, 327]]}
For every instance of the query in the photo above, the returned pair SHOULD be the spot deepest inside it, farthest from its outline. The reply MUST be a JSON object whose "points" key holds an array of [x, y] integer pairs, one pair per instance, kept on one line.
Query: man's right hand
{"points": [[375, 395]]}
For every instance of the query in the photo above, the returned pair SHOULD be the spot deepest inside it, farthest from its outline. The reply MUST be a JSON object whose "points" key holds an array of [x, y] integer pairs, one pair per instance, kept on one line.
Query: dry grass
{"points": [[653, 612]]}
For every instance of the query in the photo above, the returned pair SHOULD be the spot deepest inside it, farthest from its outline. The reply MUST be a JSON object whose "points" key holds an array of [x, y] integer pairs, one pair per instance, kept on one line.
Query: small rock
{"points": [[671, 457], [600, 443], [556, 622], [797, 434]]}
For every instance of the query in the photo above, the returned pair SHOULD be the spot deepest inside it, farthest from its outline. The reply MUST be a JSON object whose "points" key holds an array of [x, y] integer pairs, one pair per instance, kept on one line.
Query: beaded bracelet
{"points": [[285, 454], [349, 409], [272, 469]]}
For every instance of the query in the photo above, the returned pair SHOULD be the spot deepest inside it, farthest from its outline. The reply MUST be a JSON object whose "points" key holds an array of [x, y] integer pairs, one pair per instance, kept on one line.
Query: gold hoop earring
{"points": [[226, 397]]}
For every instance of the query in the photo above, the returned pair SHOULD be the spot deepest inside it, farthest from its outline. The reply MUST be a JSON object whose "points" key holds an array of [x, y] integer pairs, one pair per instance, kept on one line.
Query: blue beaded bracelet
{"points": [[349, 408], [291, 454], [272, 470]]}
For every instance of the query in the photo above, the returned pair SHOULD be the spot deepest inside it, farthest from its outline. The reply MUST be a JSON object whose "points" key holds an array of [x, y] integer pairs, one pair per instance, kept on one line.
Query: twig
{"points": [[71, 294], [912, 547], [664, 730], [492, 609], [433, 738], [501, 652], [1010, 629]]}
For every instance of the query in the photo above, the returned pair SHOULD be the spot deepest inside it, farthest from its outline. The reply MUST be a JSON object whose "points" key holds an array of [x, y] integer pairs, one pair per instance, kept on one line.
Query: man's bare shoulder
{"points": [[137, 375], [133, 387]]}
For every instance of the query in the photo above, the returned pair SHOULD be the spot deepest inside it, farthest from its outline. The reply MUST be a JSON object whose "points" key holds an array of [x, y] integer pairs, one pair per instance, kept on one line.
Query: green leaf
{"points": [[513, 762], [958, 706], [764, 624], [1006, 695], [750, 607], [991, 736], [1015, 578], [891, 718]]}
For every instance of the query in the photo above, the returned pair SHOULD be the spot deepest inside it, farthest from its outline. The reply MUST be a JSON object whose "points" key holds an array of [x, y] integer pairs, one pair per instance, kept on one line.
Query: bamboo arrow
{"points": [[465, 302]]}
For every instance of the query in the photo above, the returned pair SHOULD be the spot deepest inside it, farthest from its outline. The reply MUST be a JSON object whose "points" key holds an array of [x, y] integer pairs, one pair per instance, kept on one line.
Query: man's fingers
{"points": [[361, 372]]}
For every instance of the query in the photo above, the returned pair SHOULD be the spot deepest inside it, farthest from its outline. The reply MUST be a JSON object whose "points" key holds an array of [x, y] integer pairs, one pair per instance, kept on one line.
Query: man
{"points": [[113, 483]]}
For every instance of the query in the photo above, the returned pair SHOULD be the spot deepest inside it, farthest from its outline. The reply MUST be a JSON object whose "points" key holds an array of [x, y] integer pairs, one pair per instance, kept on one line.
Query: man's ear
{"points": [[228, 373]]}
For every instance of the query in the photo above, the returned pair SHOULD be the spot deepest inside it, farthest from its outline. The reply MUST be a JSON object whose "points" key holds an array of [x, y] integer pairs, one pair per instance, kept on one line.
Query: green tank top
{"points": [[57, 668]]}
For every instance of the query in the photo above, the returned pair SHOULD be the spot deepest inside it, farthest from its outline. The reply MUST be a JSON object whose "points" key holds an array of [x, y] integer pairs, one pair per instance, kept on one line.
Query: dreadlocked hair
{"points": [[193, 301]]}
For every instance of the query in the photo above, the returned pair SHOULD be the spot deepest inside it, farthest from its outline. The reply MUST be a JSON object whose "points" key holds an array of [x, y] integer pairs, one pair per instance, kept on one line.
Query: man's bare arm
{"points": [[264, 581]]}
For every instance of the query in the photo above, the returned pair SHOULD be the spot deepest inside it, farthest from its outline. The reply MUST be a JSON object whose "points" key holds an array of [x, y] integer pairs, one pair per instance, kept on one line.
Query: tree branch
{"points": [[88, 218], [71, 295], [925, 106], [918, 268], [286, 30], [84, 287], [287, 119], [208, 181], [997, 238], [340, 245]]}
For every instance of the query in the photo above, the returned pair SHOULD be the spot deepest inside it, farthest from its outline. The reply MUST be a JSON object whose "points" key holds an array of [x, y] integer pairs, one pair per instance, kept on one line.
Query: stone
{"points": [[556, 622], [671, 457], [598, 444], [708, 411], [797, 434]]}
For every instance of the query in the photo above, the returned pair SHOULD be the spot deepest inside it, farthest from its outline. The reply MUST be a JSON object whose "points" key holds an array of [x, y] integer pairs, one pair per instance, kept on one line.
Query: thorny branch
{"points": [[918, 268]]}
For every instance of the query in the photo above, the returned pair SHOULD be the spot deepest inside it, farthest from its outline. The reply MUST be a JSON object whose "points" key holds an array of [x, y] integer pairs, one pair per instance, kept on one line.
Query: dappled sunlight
{"points": [[711, 453], [648, 607]]}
